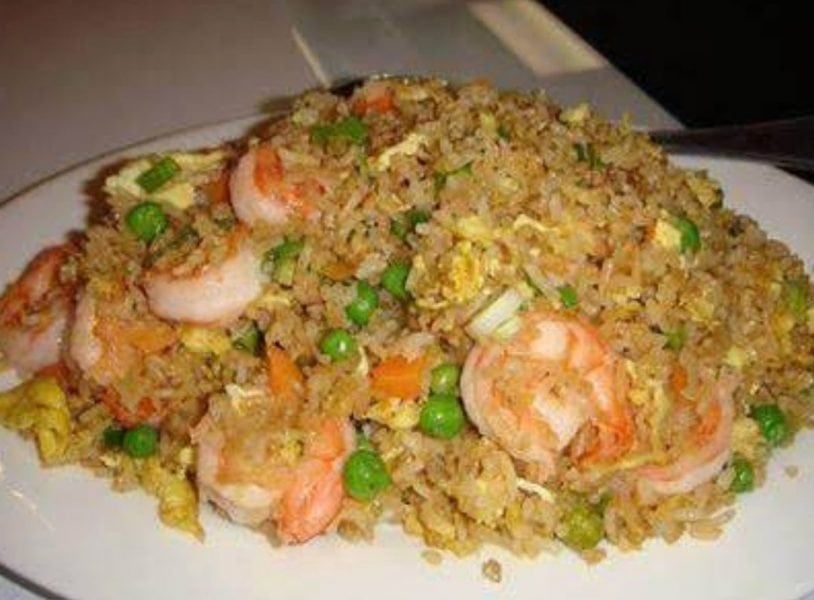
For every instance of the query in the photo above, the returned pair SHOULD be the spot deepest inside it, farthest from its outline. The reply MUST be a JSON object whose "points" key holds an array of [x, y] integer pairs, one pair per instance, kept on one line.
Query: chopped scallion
{"points": [[157, 175]]}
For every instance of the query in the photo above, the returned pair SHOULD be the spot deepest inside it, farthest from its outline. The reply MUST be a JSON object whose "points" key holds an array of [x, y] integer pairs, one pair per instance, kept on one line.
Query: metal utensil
{"points": [[786, 143]]}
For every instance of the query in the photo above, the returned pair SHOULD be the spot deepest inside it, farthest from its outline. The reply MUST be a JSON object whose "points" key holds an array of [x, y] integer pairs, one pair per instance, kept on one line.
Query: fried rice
{"points": [[466, 212]]}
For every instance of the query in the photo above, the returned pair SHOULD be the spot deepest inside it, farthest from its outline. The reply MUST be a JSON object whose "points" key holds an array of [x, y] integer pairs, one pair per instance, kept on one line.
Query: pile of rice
{"points": [[520, 193]]}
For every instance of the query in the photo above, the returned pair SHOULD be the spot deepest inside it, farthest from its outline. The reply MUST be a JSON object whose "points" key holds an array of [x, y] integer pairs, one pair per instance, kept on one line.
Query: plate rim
{"points": [[237, 127]]}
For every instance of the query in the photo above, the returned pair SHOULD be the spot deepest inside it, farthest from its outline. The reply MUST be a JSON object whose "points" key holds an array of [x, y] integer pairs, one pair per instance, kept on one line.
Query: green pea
{"points": [[351, 128], [281, 261], [289, 248], [364, 305], [113, 436], [403, 224], [283, 272], [394, 280], [141, 441], [338, 345], [503, 132], [157, 175], [583, 527], [690, 236], [441, 416], [365, 475], [249, 339], [568, 296], [772, 422], [444, 378], [440, 178], [146, 221], [676, 338], [744, 480], [587, 153]]}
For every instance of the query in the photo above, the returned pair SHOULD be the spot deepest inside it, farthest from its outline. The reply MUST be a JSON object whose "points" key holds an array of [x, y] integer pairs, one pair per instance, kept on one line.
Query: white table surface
{"points": [[81, 78]]}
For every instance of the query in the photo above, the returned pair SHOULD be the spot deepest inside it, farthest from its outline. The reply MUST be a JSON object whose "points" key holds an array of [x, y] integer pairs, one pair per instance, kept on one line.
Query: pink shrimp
{"points": [[212, 294], [253, 486], [263, 191], [105, 346], [533, 393], [314, 496], [34, 312], [709, 447], [375, 96]]}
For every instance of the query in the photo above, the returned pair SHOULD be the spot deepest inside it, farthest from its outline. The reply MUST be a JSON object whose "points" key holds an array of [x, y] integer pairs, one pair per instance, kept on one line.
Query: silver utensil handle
{"points": [[787, 143]]}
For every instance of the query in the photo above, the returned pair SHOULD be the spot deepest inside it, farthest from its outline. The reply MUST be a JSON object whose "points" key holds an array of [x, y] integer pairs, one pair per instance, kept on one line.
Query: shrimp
{"points": [[105, 345], [710, 446], [239, 474], [375, 96], [263, 191], [213, 294], [533, 393], [34, 312]]}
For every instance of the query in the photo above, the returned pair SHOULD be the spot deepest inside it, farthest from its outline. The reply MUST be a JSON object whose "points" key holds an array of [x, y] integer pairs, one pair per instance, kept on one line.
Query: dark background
{"points": [[708, 63]]}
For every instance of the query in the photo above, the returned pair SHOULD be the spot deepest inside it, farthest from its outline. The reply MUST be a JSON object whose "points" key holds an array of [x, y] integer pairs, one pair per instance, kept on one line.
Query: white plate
{"points": [[66, 531]]}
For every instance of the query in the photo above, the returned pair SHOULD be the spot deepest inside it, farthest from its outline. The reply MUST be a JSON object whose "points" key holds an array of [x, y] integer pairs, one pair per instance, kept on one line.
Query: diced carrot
{"points": [[397, 377], [119, 412], [678, 381], [145, 409], [217, 190], [148, 337], [285, 379]]}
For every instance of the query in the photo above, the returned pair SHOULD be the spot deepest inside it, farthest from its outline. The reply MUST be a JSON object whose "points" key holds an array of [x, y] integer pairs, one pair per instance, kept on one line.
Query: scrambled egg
{"points": [[465, 275], [270, 300], [576, 114], [667, 235], [700, 308], [737, 358], [458, 279], [395, 413], [408, 146], [488, 122], [177, 501], [180, 190], [39, 407], [203, 340], [473, 228]]}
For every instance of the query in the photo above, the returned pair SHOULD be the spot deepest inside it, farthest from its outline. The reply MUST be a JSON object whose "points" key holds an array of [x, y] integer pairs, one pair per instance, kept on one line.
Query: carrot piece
{"points": [[397, 377], [145, 409], [148, 337], [678, 381], [118, 411], [217, 190], [285, 379]]}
